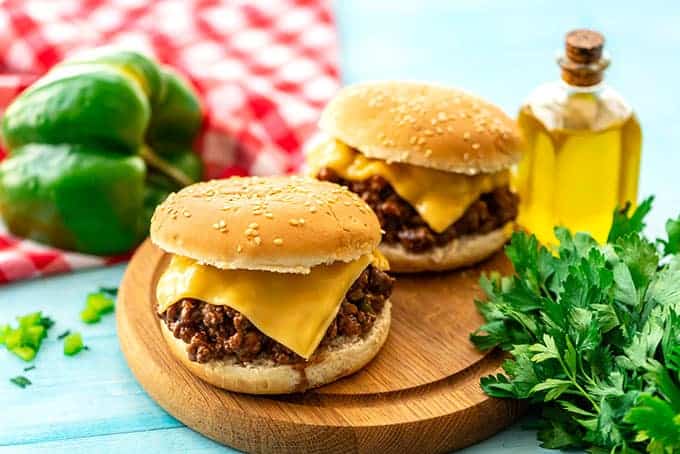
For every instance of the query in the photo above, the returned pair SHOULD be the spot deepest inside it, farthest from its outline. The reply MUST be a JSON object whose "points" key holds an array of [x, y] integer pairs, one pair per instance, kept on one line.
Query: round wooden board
{"points": [[421, 394]]}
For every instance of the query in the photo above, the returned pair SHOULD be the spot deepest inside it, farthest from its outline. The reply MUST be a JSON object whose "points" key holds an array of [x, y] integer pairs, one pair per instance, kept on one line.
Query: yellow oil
{"points": [[582, 161]]}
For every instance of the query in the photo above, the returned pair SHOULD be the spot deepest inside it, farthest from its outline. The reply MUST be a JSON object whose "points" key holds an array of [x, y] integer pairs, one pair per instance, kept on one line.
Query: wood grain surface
{"points": [[421, 394]]}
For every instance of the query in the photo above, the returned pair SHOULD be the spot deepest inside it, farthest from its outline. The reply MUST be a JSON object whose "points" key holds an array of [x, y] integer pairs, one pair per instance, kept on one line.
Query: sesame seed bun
{"points": [[281, 224], [460, 252], [343, 357], [424, 125]]}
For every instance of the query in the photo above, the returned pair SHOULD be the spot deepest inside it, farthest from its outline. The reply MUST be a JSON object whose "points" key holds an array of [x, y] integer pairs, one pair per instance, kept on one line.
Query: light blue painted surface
{"points": [[499, 49]]}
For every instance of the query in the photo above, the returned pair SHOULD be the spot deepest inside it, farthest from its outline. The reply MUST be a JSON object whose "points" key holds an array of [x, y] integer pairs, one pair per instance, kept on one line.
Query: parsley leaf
{"points": [[593, 336], [20, 381], [672, 244], [109, 291], [623, 225]]}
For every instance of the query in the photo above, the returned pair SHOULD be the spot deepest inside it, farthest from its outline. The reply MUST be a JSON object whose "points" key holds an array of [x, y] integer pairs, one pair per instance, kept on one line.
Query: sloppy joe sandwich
{"points": [[274, 285], [431, 161]]}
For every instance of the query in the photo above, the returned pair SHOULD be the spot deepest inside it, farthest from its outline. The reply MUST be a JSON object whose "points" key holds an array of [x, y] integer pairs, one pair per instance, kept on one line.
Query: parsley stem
{"points": [[574, 382], [583, 371]]}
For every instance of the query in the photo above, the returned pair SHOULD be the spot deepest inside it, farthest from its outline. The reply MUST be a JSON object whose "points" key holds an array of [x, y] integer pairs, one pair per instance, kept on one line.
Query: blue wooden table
{"points": [[499, 49]]}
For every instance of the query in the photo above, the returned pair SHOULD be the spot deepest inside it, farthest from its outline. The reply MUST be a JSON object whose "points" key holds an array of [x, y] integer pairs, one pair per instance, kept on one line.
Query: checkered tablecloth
{"points": [[264, 69]]}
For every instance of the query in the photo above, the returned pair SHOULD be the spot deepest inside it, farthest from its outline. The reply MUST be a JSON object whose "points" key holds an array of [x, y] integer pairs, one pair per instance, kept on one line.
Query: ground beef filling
{"points": [[403, 225], [215, 332]]}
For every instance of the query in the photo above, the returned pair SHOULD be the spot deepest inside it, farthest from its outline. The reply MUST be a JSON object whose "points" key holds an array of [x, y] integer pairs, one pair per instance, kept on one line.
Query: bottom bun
{"points": [[339, 359], [464, 251]]}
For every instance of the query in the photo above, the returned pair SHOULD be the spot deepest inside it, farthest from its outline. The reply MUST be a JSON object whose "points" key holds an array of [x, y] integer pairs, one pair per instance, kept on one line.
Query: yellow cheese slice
{"points": [[293, 309], [439, 197]]}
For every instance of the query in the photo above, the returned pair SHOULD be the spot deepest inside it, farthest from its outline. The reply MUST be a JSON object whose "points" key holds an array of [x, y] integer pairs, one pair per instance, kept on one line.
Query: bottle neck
{"points": [[582, 77], [576, 89], [582, 74]]}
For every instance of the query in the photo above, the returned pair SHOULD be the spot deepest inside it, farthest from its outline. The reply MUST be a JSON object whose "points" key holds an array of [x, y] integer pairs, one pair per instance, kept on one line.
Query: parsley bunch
{"points": [[593, 333]]}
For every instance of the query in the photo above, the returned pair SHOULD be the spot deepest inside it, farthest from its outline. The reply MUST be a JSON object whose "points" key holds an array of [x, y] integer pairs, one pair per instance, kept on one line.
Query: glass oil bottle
{"points": [[583, 147]]}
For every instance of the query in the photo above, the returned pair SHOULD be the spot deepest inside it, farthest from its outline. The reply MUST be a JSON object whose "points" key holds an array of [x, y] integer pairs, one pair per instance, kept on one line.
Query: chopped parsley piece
{"points": [[25, 340], [64, 334], [593, 335], [96, 305], [21, 381], [110, 291], [46, 322], [29, 368], [73, 344]]}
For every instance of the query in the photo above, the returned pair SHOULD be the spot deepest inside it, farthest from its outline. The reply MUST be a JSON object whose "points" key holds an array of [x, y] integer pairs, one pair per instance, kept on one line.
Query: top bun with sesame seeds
{"points": [[424, 125], [280, 224]]}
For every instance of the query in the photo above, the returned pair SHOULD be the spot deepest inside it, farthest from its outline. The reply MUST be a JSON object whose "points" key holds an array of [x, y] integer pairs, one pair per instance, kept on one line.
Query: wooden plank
{"points": [[86, 395], [156, 440]]}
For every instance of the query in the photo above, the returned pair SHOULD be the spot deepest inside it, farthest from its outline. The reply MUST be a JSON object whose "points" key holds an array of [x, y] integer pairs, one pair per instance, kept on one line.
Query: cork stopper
{"points": [[584, 46], [583, 62]]}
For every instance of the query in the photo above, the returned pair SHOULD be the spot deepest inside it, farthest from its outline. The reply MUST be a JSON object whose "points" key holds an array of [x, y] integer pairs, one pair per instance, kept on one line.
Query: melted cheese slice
{"points": [[293, 309], [439, 197]]}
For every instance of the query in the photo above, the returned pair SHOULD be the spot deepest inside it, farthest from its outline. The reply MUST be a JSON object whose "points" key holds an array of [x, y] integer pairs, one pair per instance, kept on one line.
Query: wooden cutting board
{"points": [[420, 394]]}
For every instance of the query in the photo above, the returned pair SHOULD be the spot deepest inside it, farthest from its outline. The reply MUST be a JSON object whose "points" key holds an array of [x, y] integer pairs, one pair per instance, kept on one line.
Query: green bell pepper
{"points": [[74, 197], [94, 146], [73, 344], [177, 116]]}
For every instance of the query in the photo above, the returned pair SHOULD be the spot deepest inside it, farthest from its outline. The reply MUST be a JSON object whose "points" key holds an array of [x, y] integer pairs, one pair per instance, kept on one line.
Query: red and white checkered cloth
{"points": [[264, 69]]}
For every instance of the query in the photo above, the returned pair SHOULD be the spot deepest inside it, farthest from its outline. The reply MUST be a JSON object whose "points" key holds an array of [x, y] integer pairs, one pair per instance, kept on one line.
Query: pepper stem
{"points": [[160, 164]]}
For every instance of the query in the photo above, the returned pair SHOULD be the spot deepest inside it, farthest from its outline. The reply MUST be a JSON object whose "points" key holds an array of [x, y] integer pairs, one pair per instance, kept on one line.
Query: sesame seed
{"points": [[475, 146], [312, 209], [441, 116], [239, 248], [413, 140], [253, 225], [186, 214], [257, 240], [268, 215], [428, 152], [293, 222], [466, 136], [278, 241]]}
